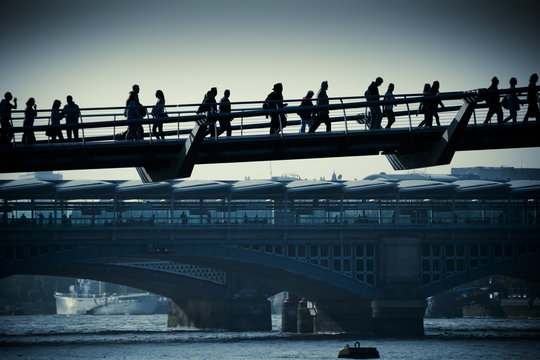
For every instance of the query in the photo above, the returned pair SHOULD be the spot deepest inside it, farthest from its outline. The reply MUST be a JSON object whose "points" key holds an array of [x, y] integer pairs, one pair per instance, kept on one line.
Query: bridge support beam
{"points": [[233, 314], [342, 315], [289, 313], [398, 318], [441, 151], [398, 309], [183, 164], [304, 319]]}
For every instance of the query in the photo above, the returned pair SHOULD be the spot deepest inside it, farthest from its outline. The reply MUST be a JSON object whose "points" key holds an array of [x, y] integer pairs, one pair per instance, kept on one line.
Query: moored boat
{"points": [[358, 352]]}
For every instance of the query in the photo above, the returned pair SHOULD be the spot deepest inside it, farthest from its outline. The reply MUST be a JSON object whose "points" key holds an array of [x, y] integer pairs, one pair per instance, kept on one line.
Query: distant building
{"points": [[41, 175], [496, 173]]}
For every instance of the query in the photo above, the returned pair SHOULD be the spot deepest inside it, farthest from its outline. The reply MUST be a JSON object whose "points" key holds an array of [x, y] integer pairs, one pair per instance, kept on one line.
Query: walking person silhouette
{"points": [[225, 107], [492, 100], [158, 112], [30, 114], [532, 99], [306, 116], [322, 115], [389, 108], [512, 101], [56, 116], [72, 113], [274, 100], [372, 94], [424, 107], [5, 117]]}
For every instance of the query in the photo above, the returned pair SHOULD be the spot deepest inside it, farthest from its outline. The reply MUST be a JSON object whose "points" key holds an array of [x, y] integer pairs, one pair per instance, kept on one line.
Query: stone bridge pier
{"points": [[244, 307], [396, 311]]}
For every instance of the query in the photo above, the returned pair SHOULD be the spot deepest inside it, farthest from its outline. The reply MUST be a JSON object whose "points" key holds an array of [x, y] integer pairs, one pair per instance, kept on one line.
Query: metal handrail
{"points": [[249, 113]]}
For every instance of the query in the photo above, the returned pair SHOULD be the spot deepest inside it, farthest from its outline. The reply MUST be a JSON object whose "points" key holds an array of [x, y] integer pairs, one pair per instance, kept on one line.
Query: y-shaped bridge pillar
{"points": [[442, 151], [185, 161]]}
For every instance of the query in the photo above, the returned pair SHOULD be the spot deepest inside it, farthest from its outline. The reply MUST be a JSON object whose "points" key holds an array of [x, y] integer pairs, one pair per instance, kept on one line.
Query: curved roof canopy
{"points": [[85, 189], [27, 189], [140, 190], [481, 189], [201, 189], [257, 189], [268, 189], [314, 189]]}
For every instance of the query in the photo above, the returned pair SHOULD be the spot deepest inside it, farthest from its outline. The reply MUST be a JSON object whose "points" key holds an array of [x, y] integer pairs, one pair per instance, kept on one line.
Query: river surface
{"points": [[147, 337]]}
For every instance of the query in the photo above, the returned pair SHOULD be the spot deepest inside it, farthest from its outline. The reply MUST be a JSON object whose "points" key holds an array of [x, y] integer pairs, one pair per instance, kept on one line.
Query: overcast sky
{"points": [[95, 50]]}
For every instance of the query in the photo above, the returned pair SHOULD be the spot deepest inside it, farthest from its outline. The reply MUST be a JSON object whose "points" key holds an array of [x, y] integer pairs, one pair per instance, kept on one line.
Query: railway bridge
{"points": [[361, 255]]}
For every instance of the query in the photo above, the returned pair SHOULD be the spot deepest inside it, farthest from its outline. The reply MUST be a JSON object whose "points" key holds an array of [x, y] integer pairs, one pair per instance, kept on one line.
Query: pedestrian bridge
{"points": [[186, 143], [390, 241]]}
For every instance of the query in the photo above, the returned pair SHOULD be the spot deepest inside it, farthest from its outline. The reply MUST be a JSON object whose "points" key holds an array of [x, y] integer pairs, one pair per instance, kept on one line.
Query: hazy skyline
{"points": [[96, 50]]}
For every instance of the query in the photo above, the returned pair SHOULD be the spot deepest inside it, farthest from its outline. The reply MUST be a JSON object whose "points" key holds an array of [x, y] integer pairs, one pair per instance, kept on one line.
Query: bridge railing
{"points": [[249, 118], [404, 221]]}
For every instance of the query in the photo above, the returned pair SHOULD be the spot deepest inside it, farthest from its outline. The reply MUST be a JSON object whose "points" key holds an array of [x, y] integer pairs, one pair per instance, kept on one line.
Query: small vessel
{"points": [[83, 300], [358, 352]]}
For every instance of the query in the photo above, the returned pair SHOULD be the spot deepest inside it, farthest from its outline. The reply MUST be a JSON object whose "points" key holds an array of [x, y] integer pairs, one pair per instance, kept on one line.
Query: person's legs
{"points": [[303, 126]]}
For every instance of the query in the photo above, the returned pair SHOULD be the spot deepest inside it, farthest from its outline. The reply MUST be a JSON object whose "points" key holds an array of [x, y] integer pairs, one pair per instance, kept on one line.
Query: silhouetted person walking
{"points": [[209, 106], [133, 112], [5, 116], [274, 100], [434, 104], [532, 99], [225, 107], [142, 110], [56, 116], [512, 101], [158, 112], [71, 112], [492, 101], [306, 116], [372, 94], [323, 116], [424, 106], [30, 114], [389, 108]]}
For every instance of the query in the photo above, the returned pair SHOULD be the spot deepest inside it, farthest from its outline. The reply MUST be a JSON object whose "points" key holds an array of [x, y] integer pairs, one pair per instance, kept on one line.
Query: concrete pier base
{"points": [[347, 316], [237, 314], [201, 313], [398, 318], [304, 319], [289, 317], [247, 314]]}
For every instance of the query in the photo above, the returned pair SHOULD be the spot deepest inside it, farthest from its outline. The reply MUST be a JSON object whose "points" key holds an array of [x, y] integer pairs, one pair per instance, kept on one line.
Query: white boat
{"points": [[82, 300]]}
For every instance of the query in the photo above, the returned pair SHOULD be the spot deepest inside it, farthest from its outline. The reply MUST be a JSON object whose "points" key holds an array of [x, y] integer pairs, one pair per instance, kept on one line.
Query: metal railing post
{"points": [[409, 113], [149, 129], [242, 124], [114, 129], [474, 116], [344, 118], [280, 127], [48, 137], [178, 127], [82, 130]]}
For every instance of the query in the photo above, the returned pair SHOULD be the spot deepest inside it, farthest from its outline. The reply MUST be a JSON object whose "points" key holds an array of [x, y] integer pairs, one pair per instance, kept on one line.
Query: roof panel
{"points": [[369, 189], [85, 189], [195, 189], [425, 188], [481, 189], [139, 190], [311, 188], [525, 188], [257, 189], [27, 189]]}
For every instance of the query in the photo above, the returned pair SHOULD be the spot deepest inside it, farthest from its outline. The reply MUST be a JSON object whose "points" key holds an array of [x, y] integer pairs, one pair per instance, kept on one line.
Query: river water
{"points": [[147, 337]]}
